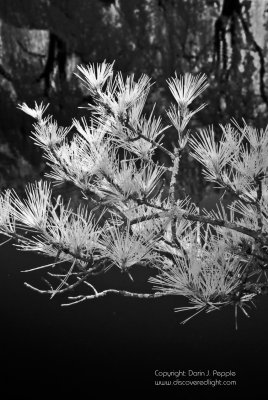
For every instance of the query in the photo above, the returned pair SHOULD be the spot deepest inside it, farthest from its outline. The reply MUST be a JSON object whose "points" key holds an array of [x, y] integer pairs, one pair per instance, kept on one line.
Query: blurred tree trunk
{"points": [[41, 42]]}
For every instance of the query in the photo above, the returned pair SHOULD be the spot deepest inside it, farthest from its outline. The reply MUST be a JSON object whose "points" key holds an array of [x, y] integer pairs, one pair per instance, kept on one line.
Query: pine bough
{"points": [[214, 259]]}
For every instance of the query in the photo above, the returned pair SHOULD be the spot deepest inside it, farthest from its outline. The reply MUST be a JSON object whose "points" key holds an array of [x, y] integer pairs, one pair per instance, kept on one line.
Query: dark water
{"points": [[117, 344]]}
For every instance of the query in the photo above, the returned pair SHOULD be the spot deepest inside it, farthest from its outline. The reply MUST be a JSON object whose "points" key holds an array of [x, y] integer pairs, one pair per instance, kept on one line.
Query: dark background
{"points": [[117, 344]]}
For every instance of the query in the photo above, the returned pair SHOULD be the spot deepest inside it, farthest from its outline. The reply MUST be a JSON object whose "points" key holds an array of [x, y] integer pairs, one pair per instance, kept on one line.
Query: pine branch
{"points": [[211, 268], [158, 145], [139, 135], [225, 224], [123, 293], [174, 173]]}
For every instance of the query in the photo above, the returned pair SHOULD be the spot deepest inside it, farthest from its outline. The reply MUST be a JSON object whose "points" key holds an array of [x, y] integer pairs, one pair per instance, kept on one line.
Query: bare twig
{"points": [[123, 293]]}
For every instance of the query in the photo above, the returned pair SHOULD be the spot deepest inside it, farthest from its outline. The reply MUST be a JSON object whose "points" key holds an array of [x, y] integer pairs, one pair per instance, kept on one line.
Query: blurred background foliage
{"points": [[42, 42]]}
